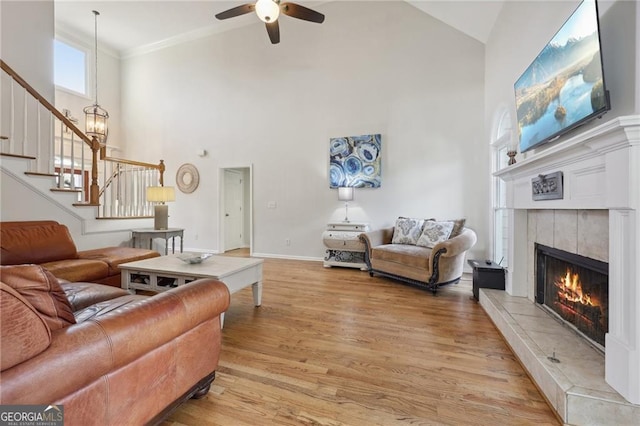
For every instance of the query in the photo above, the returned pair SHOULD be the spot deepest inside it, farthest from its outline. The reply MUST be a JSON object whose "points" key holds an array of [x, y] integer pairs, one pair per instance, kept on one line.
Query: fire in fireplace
{"points": [[574, 288]]}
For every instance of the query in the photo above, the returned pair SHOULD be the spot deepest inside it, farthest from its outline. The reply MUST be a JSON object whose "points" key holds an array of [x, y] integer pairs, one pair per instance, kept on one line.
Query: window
{"points": [[499, 148], [70, 67]]}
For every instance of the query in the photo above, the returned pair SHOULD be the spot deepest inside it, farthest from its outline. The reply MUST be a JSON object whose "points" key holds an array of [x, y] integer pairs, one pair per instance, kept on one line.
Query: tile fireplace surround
{"points": [[601, 168]]}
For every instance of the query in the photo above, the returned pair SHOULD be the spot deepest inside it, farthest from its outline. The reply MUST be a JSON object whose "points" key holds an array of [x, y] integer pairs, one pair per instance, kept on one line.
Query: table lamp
{"points": [[161, 195], [345, 194]]}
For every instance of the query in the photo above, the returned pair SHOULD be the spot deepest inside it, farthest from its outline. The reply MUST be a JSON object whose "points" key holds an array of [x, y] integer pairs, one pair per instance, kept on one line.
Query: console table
{"points": [[344, 248], [139, 235]]}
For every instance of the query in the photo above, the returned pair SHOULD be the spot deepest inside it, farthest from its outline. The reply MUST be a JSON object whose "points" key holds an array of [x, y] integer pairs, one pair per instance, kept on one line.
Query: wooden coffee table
{"points": [[165, 272]]}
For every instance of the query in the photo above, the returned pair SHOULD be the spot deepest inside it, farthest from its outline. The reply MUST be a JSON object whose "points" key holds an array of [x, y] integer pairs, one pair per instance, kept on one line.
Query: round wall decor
{"points": [[187, 178]]}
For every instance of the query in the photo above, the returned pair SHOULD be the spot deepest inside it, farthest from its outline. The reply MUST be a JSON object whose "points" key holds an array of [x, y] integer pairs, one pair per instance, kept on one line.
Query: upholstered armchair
{"points": [[426, 267]]}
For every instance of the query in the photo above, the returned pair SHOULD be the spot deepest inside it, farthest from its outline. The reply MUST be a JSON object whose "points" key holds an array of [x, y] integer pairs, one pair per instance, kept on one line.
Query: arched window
{"points": [[501, 141]]}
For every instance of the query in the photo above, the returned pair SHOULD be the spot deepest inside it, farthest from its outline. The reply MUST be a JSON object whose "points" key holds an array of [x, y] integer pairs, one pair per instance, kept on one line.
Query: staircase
{"points": [[42, 150]]}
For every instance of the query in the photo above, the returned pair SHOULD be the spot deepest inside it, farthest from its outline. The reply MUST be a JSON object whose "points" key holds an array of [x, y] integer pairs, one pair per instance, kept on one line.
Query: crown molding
{"points": [[65, 33]]}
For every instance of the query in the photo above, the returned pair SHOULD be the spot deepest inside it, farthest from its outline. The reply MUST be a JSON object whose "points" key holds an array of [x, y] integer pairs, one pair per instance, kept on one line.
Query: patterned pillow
{"points": [[434, 233], [407, 230], [458, 226]]}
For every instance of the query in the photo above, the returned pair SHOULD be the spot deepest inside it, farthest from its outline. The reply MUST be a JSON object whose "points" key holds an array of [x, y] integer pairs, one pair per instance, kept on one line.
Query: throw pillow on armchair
{"points": [[435, 232], [407, 230]]}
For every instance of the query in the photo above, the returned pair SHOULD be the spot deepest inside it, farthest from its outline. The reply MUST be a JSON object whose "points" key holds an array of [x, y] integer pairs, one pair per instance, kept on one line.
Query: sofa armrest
{"points": [[83, 353], [447, 259], [458, 244], [373, 239], [377, 238]]}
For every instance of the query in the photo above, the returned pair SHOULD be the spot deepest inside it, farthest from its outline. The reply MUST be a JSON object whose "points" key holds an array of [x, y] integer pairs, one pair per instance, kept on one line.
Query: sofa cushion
{"points": [[41, 289], [413, 256], [24, 332], [115, 256], [81, 295], [101, 308], [36, 244], [407, 230], [78, 269], [435, 232]]}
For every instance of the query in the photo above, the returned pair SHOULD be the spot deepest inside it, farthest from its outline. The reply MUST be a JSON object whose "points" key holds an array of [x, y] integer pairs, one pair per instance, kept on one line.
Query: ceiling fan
{"points": [[268, 12]]}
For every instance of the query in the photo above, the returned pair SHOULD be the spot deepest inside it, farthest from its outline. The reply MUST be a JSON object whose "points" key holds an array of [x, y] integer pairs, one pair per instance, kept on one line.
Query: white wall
{"points": [[620, 36], [32, 57], [375, 67]]}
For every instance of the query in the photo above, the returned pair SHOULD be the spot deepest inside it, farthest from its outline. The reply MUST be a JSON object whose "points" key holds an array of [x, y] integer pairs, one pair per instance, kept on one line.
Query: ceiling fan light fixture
{"points": [[267, 10]]}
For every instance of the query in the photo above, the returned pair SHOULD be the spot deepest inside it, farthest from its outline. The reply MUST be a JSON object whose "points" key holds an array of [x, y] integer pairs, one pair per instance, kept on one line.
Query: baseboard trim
{"points": [[288, 257]]}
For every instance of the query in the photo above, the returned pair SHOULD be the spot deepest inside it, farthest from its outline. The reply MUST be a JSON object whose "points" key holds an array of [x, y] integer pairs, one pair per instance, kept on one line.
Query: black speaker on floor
{"points": [[486, 274]]}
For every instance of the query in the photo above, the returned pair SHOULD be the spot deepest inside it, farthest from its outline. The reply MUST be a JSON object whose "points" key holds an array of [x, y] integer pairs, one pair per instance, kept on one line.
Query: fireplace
{"points": [[575, 289], [600, 168]]}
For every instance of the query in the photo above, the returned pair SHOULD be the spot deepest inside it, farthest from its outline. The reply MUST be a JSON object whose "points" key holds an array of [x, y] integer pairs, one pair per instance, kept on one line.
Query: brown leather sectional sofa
{"points": [[49, 243], [109, 357]]}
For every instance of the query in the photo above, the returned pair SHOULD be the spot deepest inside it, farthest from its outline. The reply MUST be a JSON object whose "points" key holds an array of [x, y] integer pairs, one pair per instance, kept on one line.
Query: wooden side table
{"points": [[344, 248], [486, 274], [139, 235]]}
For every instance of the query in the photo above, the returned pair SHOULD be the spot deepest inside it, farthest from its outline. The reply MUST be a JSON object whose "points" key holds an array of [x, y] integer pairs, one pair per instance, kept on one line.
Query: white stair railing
{"points": [[31, 127], [124, 191]]}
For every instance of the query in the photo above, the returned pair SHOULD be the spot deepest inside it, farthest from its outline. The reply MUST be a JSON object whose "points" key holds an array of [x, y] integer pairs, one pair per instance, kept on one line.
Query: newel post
{"points": [[161, 168], [94, 190]]}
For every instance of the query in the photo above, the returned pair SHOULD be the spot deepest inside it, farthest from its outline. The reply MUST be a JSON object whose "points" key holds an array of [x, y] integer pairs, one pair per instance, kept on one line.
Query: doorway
{"points": [[236, 206]]}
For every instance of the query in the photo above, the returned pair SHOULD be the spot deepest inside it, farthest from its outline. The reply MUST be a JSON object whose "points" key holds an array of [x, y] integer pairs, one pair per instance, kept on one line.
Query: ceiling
{"points": [[128, 26]]}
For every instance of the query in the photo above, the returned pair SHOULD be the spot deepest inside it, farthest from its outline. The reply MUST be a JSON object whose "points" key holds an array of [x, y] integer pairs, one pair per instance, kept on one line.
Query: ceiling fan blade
{"points": [[236, 11], [274, 32], [301, 12]]}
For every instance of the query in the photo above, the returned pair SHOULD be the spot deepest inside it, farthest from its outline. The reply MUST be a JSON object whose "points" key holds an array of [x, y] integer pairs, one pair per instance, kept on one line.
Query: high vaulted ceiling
{"points": [[127, 26]]}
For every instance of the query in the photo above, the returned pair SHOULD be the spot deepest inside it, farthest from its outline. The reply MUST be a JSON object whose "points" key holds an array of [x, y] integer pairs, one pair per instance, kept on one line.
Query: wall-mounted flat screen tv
{"points": [[564, 86]]}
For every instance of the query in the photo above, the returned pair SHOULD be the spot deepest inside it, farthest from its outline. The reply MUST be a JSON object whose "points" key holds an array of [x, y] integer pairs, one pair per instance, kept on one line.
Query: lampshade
{"points": [[267, 10], [345, 193], [161, 194]]}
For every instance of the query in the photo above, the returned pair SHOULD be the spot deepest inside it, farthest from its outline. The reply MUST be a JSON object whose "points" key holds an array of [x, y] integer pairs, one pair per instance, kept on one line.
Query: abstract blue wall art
{"points": [[354, 161]]}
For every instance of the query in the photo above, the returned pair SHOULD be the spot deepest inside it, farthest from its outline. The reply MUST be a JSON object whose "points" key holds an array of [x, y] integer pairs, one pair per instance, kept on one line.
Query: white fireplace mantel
{"points": [[599, 165], [601, 169]]}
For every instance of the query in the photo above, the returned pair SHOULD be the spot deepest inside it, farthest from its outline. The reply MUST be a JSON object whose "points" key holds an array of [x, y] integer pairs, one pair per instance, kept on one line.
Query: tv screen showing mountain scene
{"points": [[564, 86]]}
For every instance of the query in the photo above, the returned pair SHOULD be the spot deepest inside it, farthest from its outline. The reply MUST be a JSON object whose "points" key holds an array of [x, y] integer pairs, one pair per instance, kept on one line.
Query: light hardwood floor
{"points": [[336, 347]]}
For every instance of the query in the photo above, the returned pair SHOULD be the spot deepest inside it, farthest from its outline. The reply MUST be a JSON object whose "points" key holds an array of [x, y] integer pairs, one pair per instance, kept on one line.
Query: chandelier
{"points": [[96, 117]]}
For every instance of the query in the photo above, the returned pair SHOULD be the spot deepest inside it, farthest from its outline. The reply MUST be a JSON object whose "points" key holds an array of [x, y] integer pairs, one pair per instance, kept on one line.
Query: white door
{"points": [[234, 210]]}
